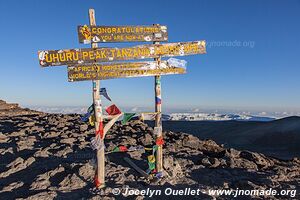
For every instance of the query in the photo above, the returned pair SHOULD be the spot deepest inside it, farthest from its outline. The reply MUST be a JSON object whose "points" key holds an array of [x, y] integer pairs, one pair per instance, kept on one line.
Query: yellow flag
{"points": [[92, 120], [151, 159]]}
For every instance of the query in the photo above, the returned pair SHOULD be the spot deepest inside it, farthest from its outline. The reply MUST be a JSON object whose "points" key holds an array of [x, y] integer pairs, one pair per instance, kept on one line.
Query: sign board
{"points": [[98, 71], [86, 34], [92, 55]]}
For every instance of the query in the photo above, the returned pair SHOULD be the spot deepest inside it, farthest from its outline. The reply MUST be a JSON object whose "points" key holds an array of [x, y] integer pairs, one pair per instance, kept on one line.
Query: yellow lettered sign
{"points": [[122, 70], [88, 34], [90, 55]]}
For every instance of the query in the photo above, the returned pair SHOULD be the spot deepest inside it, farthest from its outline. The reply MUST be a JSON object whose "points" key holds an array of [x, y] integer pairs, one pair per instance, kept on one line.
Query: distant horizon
{"points": [[218, 110], [257, 111]]}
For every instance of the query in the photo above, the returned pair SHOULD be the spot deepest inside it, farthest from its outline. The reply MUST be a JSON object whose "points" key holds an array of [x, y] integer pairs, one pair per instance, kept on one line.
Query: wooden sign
{"points": [[92, 55], [99, 63], [121, 70], [86, 34]]}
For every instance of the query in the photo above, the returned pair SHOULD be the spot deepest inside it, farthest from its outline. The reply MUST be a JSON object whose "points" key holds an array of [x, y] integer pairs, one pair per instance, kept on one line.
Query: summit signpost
{"points": [[98, 63], [92, 55], [88, 34], [121, 70]]}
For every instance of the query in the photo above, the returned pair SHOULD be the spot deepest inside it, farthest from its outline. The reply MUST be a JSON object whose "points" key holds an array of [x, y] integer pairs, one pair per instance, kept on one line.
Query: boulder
{"points": [[191, 141], [259, 159], [83, 127]]}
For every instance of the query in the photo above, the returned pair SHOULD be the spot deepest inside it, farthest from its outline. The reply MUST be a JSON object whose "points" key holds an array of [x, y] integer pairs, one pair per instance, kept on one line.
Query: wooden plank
{"points": [[121, 70], [86, 34], [109, 124], [91, 55], [100, 171], [158, 117]]}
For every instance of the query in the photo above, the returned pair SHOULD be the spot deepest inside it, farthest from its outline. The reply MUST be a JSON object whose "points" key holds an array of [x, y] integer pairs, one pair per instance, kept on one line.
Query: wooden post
{"points": [[158, 118], [100, 172]]}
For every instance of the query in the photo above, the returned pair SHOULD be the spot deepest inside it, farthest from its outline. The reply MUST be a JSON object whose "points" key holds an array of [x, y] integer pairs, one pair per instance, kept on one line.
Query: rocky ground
{"points": [[48, 156], [12, 109]]}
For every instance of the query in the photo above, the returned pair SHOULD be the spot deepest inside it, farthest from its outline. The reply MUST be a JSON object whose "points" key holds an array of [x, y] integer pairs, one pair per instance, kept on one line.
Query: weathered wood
{"points": [[92, 55], [158, 117], [100, 173], [121, 70], [109, 124], [86, 34]]}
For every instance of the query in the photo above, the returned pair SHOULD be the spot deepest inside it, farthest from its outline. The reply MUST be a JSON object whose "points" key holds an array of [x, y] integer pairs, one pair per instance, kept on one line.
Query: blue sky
{"points": [[252, 58]]}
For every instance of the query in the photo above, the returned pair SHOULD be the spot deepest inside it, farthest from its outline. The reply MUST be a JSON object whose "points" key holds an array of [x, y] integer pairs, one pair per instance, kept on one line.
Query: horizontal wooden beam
{"points": [[92, 55], [121, 70]]}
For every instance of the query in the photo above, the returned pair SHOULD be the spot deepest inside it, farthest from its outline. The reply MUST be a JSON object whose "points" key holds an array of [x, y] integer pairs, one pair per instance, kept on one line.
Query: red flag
{"points": [[113, 110], [100, 130], [123, 148]]}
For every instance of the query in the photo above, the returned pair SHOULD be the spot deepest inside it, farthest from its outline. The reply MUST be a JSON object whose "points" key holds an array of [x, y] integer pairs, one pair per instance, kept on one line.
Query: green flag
{"points": [[127, 117], [116, 149], [151, 166], [151, 162]]}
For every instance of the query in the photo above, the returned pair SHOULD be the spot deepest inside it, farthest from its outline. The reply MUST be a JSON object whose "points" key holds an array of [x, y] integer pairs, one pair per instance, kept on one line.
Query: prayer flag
{"points": [[113, 110], [103, 92], [127, 117]]}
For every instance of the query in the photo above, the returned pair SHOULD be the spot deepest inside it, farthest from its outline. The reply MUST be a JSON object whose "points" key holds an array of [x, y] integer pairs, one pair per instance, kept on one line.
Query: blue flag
{"points": [[104, 93], [85, 118]]}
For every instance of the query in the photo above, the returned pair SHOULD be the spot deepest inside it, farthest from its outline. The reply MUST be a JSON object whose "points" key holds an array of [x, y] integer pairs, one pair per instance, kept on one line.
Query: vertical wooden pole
{"points": [[158, 118], [100, 173]]}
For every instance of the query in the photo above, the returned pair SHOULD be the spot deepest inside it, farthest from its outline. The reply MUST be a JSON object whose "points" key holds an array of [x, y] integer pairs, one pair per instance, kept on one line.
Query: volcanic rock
{"points": [[48, 156]]}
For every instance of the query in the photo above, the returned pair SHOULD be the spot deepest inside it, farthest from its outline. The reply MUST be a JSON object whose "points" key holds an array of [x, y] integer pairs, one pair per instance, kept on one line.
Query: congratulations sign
{"points": [[88, 34]]}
